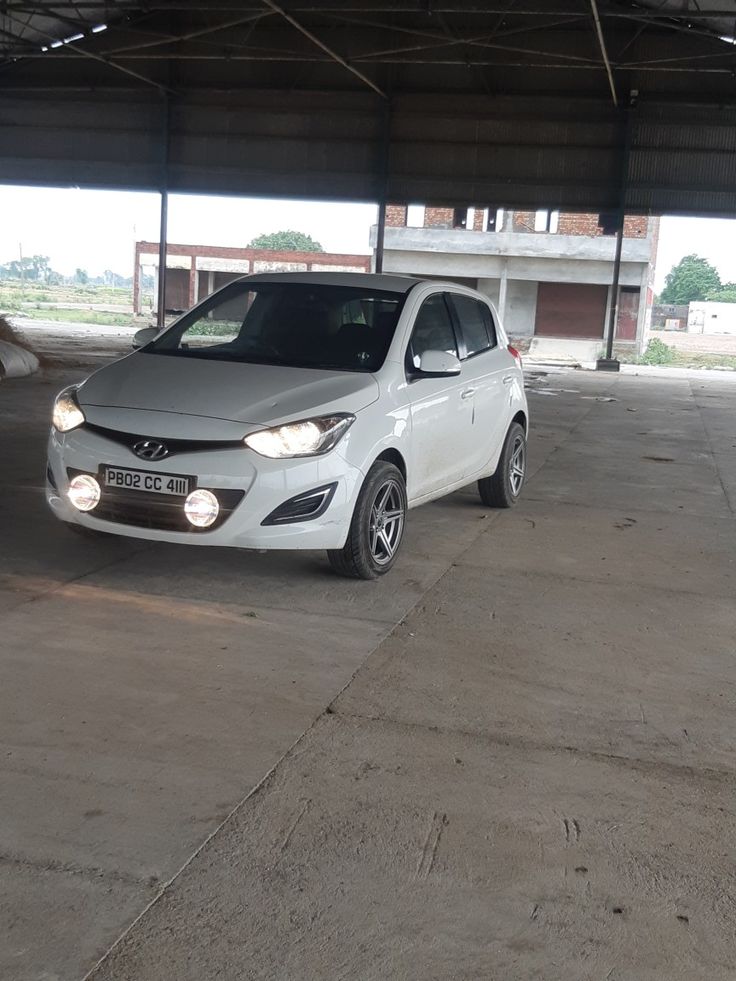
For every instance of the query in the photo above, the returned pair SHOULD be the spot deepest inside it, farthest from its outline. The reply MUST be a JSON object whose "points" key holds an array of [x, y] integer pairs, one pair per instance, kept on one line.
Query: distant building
{"points": [[193, 272], [706, 317], [669, 316], [549, 273]]}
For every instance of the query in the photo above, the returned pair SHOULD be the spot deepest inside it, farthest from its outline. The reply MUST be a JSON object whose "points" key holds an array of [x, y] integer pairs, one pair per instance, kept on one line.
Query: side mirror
{"points": [[144, 336], [438, 364]]}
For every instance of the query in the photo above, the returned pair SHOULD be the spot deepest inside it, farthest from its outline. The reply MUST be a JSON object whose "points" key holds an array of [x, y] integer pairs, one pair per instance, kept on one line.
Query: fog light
{"points": [[201, 508], [84, 492]]}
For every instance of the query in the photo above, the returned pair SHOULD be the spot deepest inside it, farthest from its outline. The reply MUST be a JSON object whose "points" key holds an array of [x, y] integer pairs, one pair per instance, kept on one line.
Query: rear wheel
{"points": [[377, 526], [502, 489]]}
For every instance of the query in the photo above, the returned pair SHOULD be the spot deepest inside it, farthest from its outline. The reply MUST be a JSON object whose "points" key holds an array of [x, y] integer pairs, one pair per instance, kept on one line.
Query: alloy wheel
{"points": [[386, 522], [517, 465]]}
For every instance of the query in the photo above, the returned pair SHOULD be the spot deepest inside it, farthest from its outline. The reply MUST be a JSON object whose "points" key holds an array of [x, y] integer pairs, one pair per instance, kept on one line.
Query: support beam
{"points": [[320, 44], [380, 236], [164, 222], [604, 52], [609, 363], [163, 233], [384, 173]]}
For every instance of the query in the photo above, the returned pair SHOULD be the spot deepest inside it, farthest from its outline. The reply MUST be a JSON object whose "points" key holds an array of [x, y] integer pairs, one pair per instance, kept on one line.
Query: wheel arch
{"points": [[392, 455], [521, 418]]}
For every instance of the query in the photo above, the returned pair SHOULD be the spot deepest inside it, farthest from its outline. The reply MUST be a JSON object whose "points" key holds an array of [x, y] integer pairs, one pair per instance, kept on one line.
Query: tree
{"points": [[726, 294], [81, 276], [693, 278], [286, 241], [31, 267]]}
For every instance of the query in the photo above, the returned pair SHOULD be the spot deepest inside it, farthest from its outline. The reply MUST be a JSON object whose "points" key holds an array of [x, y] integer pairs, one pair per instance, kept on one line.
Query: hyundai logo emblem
{"points": [[151, 449]]}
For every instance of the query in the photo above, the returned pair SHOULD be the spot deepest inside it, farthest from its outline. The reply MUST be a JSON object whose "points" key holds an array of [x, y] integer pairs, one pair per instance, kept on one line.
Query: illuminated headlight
{"points": [[67, 414], [84, 492], [310, 437], [201, 508]]}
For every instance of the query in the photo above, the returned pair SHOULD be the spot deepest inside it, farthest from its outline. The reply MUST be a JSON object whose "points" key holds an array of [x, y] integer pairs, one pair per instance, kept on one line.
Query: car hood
{"points": [[255, 394]]}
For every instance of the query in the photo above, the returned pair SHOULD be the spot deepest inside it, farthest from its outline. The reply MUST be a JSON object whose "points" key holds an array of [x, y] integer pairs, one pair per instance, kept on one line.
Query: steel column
{"points": [[609, 363], [164, 223]]}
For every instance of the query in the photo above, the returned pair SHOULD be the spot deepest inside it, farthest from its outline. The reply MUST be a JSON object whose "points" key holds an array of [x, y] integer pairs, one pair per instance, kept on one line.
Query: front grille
{"points": [[141, 509], [174, 446]]}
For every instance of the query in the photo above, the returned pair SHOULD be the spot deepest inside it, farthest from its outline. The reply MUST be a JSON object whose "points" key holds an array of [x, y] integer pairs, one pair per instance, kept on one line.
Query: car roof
{"points": [[378, 281]]}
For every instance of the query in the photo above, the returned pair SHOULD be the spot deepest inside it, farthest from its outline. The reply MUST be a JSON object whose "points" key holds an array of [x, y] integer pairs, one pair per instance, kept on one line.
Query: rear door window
{"points": [[476, 323], [433, 331]]}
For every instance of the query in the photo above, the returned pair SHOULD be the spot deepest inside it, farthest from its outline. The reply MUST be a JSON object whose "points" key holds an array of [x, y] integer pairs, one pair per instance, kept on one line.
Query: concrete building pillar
{"points": [[137, 284], [641, 320], [607, 316], [193, 282], [502, 292]]}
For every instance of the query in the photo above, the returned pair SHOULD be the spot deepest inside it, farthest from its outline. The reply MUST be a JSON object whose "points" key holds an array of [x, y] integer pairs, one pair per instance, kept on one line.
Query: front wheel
{"points": [[502, 489], [377, 525]]}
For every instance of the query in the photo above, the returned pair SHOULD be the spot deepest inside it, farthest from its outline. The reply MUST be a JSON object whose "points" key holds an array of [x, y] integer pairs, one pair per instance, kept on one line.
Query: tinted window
{"points": [[476, 323], [302, 325], [433, 330]]}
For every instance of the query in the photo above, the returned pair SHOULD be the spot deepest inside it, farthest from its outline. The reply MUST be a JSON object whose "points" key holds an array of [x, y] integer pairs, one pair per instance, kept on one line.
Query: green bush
{"points": [[658, 352]]}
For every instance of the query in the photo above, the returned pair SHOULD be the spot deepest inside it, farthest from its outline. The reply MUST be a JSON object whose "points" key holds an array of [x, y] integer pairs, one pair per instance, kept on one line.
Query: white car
{"points": [[296, 411]]}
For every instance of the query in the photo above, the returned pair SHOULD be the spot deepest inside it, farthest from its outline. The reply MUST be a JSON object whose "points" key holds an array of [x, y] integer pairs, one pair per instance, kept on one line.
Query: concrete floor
{"points": [[531, 775]]}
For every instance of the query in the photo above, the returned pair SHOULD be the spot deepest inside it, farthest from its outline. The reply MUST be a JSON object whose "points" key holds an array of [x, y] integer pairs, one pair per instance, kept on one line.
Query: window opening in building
{"points": [[546, 221], [415, 216], [459, 218]]}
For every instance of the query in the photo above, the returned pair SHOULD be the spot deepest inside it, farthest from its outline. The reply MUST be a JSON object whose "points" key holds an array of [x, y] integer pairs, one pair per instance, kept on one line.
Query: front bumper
{"points": [[256, 486]]}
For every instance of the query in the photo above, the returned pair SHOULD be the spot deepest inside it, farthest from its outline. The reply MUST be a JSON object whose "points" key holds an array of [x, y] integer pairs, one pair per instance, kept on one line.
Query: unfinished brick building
{"points": [[548, 272], [195, 271]]}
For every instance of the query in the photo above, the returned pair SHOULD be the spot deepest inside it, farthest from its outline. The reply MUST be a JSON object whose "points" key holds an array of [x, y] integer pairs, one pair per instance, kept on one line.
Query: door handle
{"points": [[508, 379], [467, 393]]}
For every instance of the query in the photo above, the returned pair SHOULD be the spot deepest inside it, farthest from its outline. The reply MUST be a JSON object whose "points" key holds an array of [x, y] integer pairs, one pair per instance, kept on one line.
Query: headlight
{"points": [[310, 437], [67, 414]]}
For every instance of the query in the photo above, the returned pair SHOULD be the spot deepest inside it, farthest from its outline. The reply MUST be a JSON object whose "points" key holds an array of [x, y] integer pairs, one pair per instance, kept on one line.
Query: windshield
{"points": [[301, 325]]}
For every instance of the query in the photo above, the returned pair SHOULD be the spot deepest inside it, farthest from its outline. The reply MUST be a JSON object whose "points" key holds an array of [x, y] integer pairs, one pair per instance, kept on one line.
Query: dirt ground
{"points": [[698, 343], [512, 759]]}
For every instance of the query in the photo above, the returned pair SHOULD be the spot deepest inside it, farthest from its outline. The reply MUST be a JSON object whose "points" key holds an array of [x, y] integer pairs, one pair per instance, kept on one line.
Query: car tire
{"points": [[377, 525], [502, 489]]}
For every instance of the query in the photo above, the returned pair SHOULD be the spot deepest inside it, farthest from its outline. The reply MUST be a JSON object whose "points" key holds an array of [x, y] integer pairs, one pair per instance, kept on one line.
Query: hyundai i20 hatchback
{"points": [[298, 411]]}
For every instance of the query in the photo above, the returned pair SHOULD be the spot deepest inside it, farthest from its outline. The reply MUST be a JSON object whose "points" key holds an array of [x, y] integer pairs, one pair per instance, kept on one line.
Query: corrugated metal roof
{"points": [[433, 100]]}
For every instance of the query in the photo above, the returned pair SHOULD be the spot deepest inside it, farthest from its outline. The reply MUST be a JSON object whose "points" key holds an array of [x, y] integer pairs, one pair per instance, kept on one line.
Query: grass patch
{"points": [[12, 294], [685, 359], [78, 317], [204, 329], [657, 352], [660, 354]]}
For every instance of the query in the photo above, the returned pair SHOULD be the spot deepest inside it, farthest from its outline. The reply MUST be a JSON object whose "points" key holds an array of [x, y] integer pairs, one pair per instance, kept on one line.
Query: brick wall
{"points": [[262, 255], [523, 221], [438, 217], [635, 226], [570, 223], [242, 261], [396, 215]]}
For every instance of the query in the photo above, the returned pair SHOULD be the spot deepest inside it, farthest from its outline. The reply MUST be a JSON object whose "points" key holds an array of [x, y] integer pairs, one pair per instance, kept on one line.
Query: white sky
{"points": [[96, 230]]}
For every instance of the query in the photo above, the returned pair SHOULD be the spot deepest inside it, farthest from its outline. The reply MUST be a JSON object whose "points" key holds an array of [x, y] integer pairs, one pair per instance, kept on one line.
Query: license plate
{"points": [[144, 480]]}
